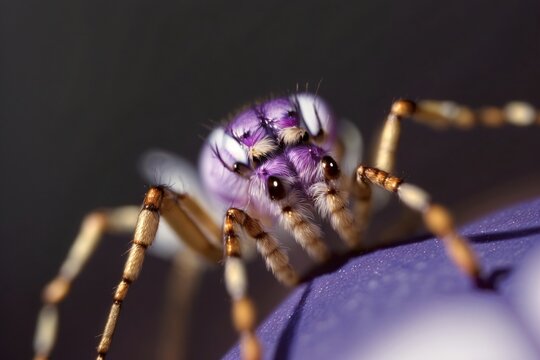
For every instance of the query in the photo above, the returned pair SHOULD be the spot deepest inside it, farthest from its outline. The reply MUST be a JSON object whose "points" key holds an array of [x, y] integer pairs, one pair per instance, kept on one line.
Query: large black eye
{"points": [[330, 167], [292, 113], [276, 190], [241, 169]]}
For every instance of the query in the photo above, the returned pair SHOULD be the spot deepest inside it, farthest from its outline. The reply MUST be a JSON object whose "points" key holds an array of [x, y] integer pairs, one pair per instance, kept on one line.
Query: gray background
{"points": [[87, 86]]}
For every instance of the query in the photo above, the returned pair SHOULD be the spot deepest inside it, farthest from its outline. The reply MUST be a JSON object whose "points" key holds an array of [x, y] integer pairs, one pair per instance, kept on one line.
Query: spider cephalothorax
{"points": [[274, 160]]}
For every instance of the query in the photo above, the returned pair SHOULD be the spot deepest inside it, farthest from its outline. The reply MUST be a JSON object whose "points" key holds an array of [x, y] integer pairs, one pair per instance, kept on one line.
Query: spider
{"points": [[280, 163]]}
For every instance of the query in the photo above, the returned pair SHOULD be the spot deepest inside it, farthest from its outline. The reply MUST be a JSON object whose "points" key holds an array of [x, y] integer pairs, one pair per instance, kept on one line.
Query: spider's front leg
{"points": [[243, 310]]}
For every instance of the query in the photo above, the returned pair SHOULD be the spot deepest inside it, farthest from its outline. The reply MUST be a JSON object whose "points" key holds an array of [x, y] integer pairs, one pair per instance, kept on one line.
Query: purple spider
{"points": [[274, 161]]}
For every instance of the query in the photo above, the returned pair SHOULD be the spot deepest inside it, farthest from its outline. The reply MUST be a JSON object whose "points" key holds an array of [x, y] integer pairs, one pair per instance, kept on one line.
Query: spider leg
{"points": [[145, 232], [441, 115], [305, 232], [332, 202], [93, 227], [436, 218], [185, 217], [243, 309], [444, 114], [276, 260], [331, 196]]}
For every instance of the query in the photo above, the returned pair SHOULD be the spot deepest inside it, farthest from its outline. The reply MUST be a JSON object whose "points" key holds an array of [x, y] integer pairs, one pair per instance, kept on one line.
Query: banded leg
{"points": [[243, 310], [306, 233], [186, 218], [183, 213], [276, 260], [94, 226], [145, 232], [437, 219], [444, 114], [333, 203]]}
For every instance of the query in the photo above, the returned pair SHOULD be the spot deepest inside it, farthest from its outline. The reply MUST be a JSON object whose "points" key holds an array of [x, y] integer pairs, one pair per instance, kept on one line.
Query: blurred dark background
{"points": [[87, 86]]}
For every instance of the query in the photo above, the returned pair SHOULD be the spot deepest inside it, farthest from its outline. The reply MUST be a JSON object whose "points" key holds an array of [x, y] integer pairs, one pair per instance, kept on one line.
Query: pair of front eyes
{"points": [[277, 191]]}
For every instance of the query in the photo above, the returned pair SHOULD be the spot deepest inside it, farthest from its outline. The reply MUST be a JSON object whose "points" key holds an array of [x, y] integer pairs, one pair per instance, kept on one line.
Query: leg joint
{"points": [[403, 108]]}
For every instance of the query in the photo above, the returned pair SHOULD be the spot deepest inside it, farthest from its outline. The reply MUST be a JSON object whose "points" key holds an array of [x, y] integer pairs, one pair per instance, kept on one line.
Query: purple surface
{"points": [[384, 298]]}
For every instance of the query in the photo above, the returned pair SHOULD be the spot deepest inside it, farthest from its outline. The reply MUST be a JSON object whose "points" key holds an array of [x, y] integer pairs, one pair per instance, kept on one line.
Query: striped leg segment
{"points": [[243, 310], [305, 232], [145, 233], [93, 227], [276, 260], [185, 216], [332, 202], [437, 219]]}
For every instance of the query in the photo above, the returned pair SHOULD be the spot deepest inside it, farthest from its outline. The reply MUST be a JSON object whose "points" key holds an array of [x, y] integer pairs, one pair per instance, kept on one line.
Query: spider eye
{"points": [[241, 169], [276, 190], [330, 167], [292, 113]]}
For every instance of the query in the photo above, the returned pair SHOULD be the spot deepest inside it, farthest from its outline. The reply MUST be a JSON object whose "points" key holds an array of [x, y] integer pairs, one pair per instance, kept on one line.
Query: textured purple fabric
{"points": [[388, 297]]}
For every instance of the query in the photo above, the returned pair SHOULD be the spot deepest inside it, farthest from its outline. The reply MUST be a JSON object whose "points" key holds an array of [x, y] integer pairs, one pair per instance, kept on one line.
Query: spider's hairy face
{"points": [[271, 155]]}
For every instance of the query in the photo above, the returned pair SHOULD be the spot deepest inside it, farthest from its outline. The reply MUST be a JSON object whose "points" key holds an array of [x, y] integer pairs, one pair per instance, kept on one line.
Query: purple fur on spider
{"points": [[248, 128], [269, 139], [282, 112], [265, 119], [278, 166], [305, 160]]}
